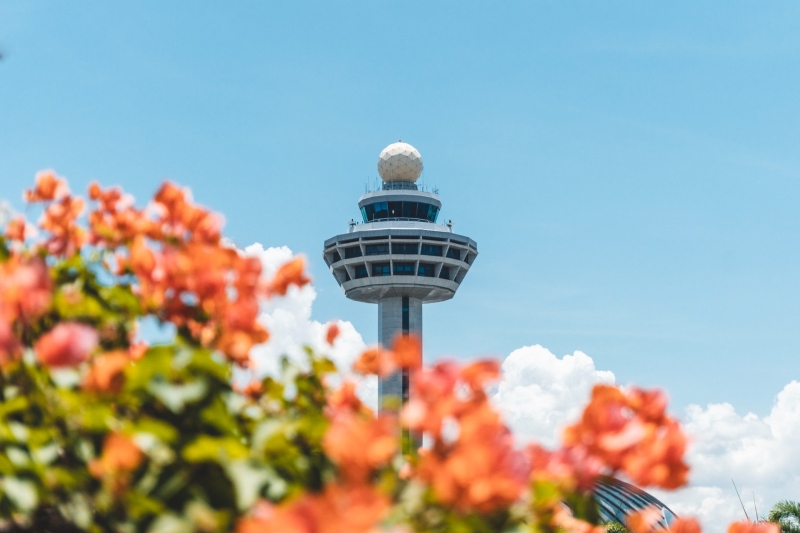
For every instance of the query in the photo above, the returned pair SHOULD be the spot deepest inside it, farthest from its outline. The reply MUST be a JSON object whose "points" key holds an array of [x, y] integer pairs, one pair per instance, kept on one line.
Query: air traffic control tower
{"points": [[398, 256]]}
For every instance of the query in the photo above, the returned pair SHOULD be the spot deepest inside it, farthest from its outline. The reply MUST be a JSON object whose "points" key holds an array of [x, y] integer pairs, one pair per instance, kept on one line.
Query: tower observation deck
{"points": [[399, 257]]}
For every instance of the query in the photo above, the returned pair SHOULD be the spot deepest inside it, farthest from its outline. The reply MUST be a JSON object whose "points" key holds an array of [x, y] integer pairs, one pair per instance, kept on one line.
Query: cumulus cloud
{"points": [[288, 320], [539, 393], [760, 454]]}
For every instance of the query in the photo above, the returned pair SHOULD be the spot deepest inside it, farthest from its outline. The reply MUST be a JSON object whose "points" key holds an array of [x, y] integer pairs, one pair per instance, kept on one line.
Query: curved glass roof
{"points": [[616, 499]]}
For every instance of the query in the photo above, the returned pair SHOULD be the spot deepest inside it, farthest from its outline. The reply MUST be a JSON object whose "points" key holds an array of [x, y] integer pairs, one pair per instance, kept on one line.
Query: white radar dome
{"points": [[400, 162]]}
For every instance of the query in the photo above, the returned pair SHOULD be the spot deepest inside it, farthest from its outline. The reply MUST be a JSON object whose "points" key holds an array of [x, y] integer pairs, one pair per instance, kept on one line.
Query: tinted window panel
{"points": [[395, 209], [407, 210], [433, 212], [452, 253], [404, 269], [432, 249], [361, 271], [377, 249], [445, 273], [381, 210], [380, 269], [336, 257], [425, 270], [353, 251], [405, 248]]}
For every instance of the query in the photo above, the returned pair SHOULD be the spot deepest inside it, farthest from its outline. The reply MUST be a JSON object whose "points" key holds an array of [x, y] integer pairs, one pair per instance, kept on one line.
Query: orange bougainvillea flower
{"points": [[119, 458], [15, 229], [685, 525], [754, 527], [571, 468], [186, 274], [254, 389], [564, 521], [25, 288], [67, 344], [472, 464], [107, 372], [478, 374], [480, 469], [116, 221], [266, 517], [340, 508], [644, 521], [331, 334], [60, 215], [290, 273], [360, 443], [48, 187], [346, 399], [375, 361], [407, 351], [630, 431], [9, 344]]}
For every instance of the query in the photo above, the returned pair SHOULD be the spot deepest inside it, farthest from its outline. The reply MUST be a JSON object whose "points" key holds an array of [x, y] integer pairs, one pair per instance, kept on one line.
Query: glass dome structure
{"points": [[617, 499]]}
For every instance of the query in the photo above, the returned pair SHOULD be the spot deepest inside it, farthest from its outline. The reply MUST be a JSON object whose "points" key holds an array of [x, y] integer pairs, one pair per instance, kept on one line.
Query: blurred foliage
{"points": [[101, 432]]}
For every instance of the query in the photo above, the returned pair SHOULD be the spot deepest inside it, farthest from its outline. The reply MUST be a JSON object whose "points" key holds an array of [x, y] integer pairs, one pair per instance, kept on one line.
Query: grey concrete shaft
{"points": [[390, 324]]}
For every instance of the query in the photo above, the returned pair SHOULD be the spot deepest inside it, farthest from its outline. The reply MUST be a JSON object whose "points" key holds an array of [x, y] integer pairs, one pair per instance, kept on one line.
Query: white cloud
{"points": [[760, 454], [288, 320], [539, 393]]}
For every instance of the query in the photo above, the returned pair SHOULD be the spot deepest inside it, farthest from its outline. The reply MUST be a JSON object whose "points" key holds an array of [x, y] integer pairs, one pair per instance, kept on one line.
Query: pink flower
{"points": [[67, 344]]}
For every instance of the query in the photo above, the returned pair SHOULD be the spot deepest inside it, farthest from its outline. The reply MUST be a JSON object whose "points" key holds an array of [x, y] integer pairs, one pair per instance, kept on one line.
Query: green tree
{"points": [[786, 514]]}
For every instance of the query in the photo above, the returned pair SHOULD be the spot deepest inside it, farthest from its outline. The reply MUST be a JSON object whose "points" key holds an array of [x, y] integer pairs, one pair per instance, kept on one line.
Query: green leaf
{"points": [[175, 397], [214, 449], [204, 362], [21, 492], [162, 430], [157, 361], [249, 479]]}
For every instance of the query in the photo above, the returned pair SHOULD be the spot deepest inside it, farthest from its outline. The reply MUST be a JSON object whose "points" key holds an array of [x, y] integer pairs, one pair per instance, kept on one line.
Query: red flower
{"points": [[67, 344]]}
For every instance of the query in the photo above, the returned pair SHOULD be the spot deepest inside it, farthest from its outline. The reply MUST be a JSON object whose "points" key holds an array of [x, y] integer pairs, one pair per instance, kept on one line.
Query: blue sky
{"points": [[630, 170]]}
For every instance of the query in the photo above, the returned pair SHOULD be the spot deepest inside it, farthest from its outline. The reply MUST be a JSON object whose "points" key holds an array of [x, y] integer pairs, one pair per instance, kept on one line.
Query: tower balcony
{"points": [[421, 263]]}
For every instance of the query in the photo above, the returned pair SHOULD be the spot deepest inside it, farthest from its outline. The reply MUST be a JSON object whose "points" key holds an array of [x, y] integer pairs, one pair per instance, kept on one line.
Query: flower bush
{"points": [[102, 432]]}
